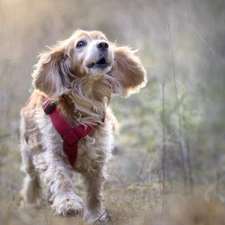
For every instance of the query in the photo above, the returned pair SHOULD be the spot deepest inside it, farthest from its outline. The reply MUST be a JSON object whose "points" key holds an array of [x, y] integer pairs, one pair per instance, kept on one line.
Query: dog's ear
{"points": [[127, 71], [50, 71]]}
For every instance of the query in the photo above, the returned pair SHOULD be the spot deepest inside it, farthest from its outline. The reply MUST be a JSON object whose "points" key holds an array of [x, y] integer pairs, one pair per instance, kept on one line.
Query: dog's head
{"points": [[94, 53], [88, 57]]}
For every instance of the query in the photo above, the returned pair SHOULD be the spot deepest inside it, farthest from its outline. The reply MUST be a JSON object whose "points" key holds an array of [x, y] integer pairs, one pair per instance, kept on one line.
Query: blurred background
{"points": [[172, 134]]}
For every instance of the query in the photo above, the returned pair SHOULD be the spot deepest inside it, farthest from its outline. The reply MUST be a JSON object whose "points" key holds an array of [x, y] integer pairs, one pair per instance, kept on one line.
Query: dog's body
{"points": [[79, 75]]}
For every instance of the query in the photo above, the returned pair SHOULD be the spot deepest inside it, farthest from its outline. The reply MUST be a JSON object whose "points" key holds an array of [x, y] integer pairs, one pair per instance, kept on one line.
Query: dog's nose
{"points": [[102, 46]]}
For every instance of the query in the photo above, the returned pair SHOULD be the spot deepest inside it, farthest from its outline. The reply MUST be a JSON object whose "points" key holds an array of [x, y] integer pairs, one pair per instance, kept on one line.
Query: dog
{"points": [[74, 81]]}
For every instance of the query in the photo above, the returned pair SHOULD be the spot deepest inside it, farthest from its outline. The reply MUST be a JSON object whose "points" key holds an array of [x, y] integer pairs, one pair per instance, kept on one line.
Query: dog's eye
{"points": [[81, 44]]}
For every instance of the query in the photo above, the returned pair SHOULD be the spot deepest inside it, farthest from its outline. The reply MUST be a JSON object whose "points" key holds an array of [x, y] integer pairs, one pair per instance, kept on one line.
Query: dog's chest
{"points": [[94, 149]]}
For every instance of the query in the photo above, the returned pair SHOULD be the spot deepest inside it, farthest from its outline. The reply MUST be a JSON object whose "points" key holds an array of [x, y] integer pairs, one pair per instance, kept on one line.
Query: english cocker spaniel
{"points": [[66, 125]]}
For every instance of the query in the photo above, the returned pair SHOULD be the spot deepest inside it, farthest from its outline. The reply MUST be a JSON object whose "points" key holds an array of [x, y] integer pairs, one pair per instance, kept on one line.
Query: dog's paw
{"points": [[24, 203], [68, 206]]}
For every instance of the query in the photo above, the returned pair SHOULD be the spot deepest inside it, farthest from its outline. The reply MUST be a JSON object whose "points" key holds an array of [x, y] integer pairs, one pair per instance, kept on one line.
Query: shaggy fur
{"points": [[79, 74]]}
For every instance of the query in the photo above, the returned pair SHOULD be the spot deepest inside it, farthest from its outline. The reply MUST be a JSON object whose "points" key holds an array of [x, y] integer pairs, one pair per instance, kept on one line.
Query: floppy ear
{"points": [[128, 71], [50, 71]]}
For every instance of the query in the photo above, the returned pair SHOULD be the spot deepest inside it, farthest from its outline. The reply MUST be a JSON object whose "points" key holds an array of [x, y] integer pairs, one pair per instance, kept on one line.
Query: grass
{"points": [[166, 139], [135, 203]]}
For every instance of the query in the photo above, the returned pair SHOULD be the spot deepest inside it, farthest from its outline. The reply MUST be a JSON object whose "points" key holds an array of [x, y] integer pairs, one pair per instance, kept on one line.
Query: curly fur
{"points": [[79, 74]]}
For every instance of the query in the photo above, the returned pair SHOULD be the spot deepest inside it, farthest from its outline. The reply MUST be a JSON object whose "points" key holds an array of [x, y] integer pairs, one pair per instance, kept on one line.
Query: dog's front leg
{"points": [[56, 175], [93, 183]]}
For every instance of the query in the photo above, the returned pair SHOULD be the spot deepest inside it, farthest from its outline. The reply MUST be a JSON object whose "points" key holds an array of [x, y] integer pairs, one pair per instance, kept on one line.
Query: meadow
{"points": [[169, 157]]}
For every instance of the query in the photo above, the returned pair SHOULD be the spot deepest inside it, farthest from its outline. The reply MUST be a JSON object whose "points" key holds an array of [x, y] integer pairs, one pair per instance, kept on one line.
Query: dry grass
{"points": [[195, 65], [134, 205]]}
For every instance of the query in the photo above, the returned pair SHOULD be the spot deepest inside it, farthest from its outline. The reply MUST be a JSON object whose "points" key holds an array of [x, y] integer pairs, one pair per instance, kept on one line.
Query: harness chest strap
{"points": [[70, 134]]}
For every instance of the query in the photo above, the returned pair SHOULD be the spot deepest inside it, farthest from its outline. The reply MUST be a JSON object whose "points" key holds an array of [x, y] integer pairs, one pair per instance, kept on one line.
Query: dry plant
{"points": [[173, 131]]}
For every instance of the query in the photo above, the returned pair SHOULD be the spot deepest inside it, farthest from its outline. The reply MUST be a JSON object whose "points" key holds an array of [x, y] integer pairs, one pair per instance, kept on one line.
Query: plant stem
{"points": [[164, 149], [179, 114]]}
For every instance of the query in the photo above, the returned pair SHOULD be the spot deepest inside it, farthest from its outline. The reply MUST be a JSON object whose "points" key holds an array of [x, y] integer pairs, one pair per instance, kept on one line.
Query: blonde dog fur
{"points": [[78, 74]]}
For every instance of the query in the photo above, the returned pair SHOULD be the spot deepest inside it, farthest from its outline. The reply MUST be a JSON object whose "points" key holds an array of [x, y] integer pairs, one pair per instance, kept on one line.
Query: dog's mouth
{"points": [[100, 64]]}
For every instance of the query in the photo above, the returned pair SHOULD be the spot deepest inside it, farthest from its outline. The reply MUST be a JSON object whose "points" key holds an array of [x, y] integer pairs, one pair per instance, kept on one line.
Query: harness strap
{"points": [[70, 134]]}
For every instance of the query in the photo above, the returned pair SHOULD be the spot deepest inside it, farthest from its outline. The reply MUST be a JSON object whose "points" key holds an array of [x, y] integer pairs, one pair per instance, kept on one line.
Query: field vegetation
{"points": [[169, 156]]}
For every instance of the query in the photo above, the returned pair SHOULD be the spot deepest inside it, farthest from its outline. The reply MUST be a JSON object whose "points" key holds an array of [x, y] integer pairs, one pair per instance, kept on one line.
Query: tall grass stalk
{"points": [[190, 169], [156, 153], [178, 111], [164, 149]]}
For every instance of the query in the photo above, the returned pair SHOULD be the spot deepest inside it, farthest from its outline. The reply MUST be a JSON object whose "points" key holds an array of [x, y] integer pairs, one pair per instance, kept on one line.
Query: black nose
{"points": [[102, 46]]}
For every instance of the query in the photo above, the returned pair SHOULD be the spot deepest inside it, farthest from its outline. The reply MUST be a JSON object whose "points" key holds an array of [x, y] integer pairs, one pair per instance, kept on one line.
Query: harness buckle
{"points": [[48, 107]]}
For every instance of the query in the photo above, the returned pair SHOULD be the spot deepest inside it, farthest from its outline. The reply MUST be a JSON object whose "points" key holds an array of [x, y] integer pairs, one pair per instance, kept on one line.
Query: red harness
{"points": [[70, 134]]}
